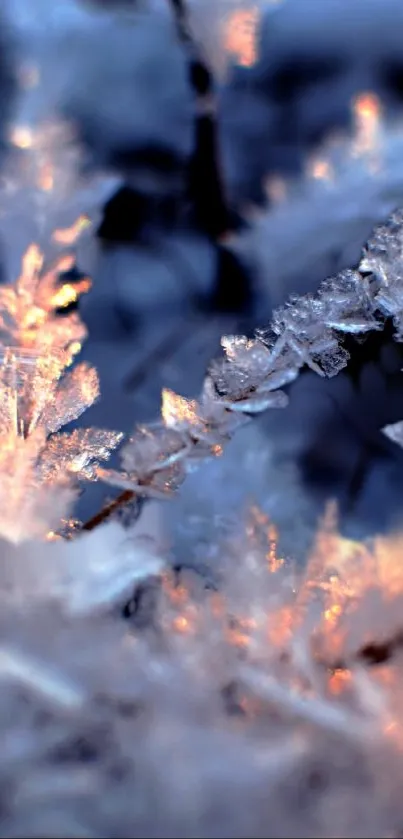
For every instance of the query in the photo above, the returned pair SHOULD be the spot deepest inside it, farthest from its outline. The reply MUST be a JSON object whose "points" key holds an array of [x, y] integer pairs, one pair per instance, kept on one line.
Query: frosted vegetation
{"points": [[244, 693]]}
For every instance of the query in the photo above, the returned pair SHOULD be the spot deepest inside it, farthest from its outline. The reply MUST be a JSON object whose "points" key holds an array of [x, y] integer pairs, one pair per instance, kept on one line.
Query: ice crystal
{"points": [[77, 453], [249, 378], [29, 316], [152, 462], [29, 506], [287, 743], [38, 396], [307, 331]]}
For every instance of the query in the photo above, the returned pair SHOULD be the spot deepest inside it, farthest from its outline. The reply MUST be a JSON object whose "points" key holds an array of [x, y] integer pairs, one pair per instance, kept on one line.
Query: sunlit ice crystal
{"points": [[77, 453], [152, 462], [39, 394], [198, 421], [37, 398], [206, 423], [29, 316], [36, 391], [29, 506], [153, 447], [28, 381], [386, 244]]}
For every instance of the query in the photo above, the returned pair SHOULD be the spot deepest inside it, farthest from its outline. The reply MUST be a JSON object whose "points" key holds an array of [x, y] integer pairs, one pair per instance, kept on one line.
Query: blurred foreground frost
{"points": [[263, 698]]}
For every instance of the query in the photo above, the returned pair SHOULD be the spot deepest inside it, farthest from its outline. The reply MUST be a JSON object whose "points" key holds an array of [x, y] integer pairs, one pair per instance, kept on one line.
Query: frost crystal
{"points": [[267, 681], [248, 379], [28, 307], [38, 396], [152, 462], [37, 393]]}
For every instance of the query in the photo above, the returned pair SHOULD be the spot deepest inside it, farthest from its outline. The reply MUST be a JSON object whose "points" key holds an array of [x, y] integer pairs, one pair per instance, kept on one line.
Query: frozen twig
{"points": [[110, 509], [307, 331]]}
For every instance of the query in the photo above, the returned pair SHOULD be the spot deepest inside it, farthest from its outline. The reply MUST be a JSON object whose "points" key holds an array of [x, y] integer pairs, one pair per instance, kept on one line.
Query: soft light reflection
{"points": [[275, 188], [240, 35], [320, 169], [46, 178], [22, 137], [367, 112], [27, 307], [69, 235], [176, 409]]}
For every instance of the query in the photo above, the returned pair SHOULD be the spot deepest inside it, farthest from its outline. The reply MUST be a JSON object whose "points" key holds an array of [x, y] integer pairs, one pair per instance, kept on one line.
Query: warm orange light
{"points": [[217, 450], [367, 107], [181, 624], [333, 613], [176, 409], [46, 178], [69, 293], [339, 680], [69, 235], [238, 633], [280, 626], [260, 528], [30, 304], [320, 170], [240, 36], [367, 118], [237, 638]]}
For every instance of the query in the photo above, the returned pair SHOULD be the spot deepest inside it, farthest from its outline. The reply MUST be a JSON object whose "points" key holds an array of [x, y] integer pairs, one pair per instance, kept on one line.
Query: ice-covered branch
{"points": [[307, 331]]}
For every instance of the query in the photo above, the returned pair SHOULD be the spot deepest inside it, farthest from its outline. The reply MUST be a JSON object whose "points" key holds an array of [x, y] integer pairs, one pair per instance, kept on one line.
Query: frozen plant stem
{"points": [[180, 13], [205, 182], [122, 499], [248, 380], [307, 331]]}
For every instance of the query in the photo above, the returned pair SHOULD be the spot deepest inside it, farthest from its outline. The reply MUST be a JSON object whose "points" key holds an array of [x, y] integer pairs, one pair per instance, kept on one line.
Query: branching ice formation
{"points": [[270, 707], [307, 331], [39, 395]]}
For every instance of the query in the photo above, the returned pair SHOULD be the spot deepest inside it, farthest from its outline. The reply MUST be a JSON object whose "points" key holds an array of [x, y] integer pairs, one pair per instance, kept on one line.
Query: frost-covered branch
{"points": [[307, 331]]}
